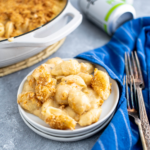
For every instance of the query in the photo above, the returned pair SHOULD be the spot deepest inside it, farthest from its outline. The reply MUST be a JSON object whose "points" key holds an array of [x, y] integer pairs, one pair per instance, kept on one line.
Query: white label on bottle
{"points": [[102, 10]]}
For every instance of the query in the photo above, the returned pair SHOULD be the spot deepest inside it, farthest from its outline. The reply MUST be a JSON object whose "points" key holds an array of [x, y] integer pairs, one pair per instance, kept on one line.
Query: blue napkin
{"points": [[122, 133]]}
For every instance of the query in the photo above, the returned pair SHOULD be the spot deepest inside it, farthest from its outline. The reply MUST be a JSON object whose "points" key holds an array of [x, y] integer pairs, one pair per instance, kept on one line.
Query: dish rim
{"points": [[57, 131]]}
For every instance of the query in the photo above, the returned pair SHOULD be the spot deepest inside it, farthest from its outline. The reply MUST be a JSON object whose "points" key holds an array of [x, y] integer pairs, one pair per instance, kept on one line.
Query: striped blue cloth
{"points": [[122, 133]]}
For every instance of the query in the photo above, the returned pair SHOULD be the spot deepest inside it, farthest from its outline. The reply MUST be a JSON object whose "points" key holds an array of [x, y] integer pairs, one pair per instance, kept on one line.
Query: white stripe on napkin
{"points": [[113, 127], [132, 27], [140, 44], [116, 52], [126, 127], [122, 43], [134, 131], [127, 33], [101, 144]]}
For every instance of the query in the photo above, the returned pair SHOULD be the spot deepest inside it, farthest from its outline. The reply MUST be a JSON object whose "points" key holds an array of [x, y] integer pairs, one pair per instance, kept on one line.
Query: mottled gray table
{"points": [[14, 134]]}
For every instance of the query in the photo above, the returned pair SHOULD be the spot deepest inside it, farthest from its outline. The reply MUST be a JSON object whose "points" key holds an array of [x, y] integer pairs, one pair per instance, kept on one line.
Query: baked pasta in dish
{"points": [[64, 93], [21, 16]]}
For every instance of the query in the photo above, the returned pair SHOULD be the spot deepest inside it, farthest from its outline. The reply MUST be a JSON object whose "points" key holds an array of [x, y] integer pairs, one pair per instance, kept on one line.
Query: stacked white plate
{"points": [[41, 128]]}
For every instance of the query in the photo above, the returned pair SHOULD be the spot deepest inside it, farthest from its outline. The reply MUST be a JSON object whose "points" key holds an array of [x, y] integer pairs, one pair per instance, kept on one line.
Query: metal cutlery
{"points": [[135, 79]]}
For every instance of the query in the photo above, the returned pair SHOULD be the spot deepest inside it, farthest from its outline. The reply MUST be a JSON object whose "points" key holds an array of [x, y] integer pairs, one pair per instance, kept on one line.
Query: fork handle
{"points": [[143, 117], [138, 122]]}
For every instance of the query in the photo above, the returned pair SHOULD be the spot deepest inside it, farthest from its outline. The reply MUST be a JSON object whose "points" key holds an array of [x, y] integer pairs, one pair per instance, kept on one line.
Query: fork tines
{"points": [[140, 76], [127, 92], [131, 71]]}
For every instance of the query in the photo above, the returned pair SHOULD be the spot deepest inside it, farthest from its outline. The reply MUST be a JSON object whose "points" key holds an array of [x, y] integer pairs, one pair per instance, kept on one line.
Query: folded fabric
{"points": [[122, 133]]}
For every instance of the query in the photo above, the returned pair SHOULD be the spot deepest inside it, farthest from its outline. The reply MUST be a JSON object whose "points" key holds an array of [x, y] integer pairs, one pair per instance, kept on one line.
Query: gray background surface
{"points": [[14, 134]]}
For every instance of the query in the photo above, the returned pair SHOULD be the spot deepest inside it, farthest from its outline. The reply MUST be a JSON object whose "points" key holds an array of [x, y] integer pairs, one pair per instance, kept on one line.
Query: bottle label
{"points": [[102, 10]]}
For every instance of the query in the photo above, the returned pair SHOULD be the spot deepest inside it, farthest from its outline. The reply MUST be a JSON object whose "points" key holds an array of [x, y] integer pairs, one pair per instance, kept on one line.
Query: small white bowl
{"points": [[107, 109]]}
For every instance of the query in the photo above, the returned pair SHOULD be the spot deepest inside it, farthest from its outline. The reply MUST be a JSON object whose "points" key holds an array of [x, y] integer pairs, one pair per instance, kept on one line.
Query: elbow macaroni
{"points": [[9, 27], [21, 16]]}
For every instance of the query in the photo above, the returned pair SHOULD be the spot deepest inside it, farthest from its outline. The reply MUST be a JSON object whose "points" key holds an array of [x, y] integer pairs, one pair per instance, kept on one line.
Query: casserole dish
{"points": [[31, 43]]}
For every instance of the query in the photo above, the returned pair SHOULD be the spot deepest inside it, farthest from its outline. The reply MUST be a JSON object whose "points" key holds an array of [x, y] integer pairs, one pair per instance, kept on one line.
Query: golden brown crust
{"points": [[101, 85], [42, 74], [28, 101], [45, 92], [60, 122], [57, 119]]}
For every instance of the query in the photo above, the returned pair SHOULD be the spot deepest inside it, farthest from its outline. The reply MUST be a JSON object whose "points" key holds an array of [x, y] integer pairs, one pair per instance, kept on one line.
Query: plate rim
{"points": [[69, 139], [66, 135]]}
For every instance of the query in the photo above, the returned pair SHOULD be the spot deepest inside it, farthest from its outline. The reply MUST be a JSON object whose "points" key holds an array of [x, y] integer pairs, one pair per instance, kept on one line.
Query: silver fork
{"points": [[135, 79], [133, 112]]}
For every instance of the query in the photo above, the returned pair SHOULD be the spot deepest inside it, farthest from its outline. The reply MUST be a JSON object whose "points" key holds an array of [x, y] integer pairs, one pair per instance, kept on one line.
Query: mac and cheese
{"points": [[20, 16], [67, 97]]}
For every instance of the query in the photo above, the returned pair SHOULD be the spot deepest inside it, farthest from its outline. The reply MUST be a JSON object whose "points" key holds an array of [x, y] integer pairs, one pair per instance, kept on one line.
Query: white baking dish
{"points": [[33, 42]]}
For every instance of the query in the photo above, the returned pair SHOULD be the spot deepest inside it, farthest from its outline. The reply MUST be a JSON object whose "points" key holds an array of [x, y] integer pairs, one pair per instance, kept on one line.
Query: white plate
{"points": [[57, 134], [64, 139], [67, 136], [107, 109]]}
